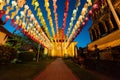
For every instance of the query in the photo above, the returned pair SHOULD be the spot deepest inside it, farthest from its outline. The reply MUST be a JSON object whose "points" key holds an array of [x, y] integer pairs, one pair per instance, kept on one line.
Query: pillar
{"points": [[96, 34], [97, 27], [110, 22], [91, 35], [114, 13], [104, 25]]}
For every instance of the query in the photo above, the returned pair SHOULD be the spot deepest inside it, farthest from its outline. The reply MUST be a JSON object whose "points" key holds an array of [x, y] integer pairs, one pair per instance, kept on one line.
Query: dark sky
{"points": [[83, 38]]}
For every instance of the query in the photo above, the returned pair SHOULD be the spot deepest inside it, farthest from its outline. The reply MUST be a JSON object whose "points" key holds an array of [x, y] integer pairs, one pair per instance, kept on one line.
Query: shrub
{"points": [[26, 56], [7, 54]]}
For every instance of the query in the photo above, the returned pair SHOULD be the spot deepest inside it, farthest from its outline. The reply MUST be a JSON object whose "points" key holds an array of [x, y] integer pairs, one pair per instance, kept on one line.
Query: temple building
{"points": [[59, 49], [105, 29]]}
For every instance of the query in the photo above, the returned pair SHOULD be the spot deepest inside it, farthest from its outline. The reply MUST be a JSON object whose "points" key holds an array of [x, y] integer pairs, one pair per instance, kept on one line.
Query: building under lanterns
{"points": [[59, 47]]}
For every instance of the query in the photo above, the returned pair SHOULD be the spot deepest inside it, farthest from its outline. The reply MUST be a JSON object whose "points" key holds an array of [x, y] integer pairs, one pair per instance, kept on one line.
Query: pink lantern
{"points": [[95, 7], [83, 24], [90, 13], [79, 30], [86, 19]]}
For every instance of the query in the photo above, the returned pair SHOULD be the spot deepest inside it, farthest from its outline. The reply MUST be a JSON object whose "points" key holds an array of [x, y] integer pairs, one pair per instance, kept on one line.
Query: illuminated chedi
{"points": [[59, 49]]}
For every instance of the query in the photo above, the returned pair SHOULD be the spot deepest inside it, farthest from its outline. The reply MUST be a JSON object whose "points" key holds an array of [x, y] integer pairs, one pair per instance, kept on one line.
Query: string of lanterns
{"points": [[56, 16], [80, 20], [49, 16], [35, 3], [65, 16], [28, 24], [73, 17], [95, 7]]}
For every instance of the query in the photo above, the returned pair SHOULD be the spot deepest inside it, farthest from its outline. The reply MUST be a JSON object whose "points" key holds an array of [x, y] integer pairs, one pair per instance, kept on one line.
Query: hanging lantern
{"points": [[83, 24], [19, 26], [89, 2], [86, 19], [7, 1], [2, 4], [90, 13], [7, 18], [95, 7], [26, 7], [14, 3], [79, 30], [2, 12], [17, 19], [29, 13], [7, 9], [15, 24], [36, 5], [21, 3], [12, 22], [22, 14]]}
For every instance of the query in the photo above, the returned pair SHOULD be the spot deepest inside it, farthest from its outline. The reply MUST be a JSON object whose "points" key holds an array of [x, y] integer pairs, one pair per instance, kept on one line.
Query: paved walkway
{"points": [[57, 70]]}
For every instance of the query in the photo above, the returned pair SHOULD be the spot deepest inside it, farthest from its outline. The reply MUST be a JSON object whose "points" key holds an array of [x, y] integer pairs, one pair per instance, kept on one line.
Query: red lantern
{"points": [[2, 12], [12, 22], [66, 5], [15, 24], [19, 26], [7, 18]]}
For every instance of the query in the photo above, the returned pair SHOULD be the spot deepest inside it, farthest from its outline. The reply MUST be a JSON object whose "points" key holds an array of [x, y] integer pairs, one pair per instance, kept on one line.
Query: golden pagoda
{"points": [[59, 46]]}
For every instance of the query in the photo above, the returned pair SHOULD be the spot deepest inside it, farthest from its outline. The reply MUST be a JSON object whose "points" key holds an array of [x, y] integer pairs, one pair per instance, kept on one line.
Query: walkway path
{"points": [[57, 70]]}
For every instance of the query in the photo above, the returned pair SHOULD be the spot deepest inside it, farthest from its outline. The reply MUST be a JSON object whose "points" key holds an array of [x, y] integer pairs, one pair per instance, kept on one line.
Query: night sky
{"points": [[83, 38]]}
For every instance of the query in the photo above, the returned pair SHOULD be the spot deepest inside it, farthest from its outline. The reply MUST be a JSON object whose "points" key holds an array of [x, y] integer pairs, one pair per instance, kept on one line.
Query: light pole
{"points": [[38, 53]]}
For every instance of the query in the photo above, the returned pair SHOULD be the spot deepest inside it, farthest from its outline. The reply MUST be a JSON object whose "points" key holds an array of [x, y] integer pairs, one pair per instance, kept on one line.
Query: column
{"points": [[104, 25], [91, 35], [110, 22], [94, 36], [114, 13], [97, 27], [95, 33]]}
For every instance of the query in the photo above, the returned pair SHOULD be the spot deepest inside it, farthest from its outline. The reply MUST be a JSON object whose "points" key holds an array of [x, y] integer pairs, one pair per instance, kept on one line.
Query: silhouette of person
{"points": [[97, 52], [82, 57], [97, 55]]}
